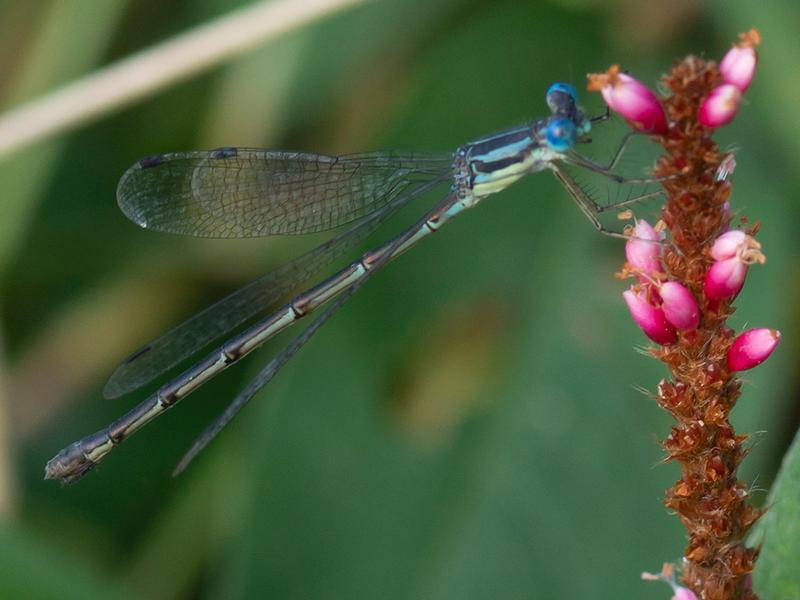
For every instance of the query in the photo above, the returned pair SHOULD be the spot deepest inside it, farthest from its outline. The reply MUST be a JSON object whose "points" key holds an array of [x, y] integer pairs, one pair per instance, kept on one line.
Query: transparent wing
{"points": [[241, 192], [220, 318], [271, 369]]}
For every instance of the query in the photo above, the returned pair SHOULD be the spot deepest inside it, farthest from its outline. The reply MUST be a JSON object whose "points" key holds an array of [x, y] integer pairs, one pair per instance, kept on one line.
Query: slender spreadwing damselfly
{"points": [[240, 192]]}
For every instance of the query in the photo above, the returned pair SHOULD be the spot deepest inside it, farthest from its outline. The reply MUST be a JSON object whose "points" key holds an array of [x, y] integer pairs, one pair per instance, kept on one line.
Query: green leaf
{"points": [[777, 575]]}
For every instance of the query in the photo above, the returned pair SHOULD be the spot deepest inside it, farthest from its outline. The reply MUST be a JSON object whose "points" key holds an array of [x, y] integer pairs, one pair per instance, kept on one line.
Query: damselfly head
{"points": [[563, 102]]}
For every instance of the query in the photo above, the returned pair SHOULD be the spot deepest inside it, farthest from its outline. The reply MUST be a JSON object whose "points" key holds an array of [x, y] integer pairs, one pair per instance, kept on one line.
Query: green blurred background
{"points": [[468, 426]]}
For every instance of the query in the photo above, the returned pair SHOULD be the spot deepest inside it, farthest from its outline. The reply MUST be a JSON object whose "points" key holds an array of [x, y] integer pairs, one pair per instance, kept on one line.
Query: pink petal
{"points": [[728, 244], [725, 278], [642, 251], [682, 593], [650, 318], [739, 66], [636, 102], [751, 348], [680, 307], [720, 106]]}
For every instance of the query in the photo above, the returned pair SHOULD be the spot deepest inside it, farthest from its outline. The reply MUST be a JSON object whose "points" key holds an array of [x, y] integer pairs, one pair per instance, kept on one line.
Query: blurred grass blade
{"points": [[172, 61], [24, 176]]}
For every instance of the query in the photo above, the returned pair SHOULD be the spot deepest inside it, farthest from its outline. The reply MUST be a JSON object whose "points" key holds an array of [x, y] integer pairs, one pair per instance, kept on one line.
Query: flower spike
{"points": [[681, 299]]}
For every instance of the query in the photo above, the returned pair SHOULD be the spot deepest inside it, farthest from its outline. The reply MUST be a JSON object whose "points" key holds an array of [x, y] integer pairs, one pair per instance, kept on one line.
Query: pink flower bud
{"points": [[679, 306], [751, 348], [739, 66], [728, 244], [631, 99], [682, 593], [733, 251], [650, 318], [667, 575], [725, 278], [720, 106], [643, 250]]}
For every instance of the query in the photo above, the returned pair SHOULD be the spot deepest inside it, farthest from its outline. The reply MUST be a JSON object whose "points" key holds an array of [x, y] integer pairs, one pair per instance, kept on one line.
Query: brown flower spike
{"points": [[702, 389]]}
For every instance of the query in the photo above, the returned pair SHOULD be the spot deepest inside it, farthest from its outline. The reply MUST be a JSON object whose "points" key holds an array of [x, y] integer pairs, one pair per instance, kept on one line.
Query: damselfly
{"points": [[239, 192]]}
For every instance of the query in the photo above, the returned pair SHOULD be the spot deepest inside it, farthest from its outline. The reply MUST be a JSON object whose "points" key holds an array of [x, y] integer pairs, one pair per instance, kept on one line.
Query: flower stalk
{"points": [[682, 299]]}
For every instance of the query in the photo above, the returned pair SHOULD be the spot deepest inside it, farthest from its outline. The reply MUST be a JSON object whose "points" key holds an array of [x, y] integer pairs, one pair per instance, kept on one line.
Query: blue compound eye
{"points": [[561, 135], [561, 97]]}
